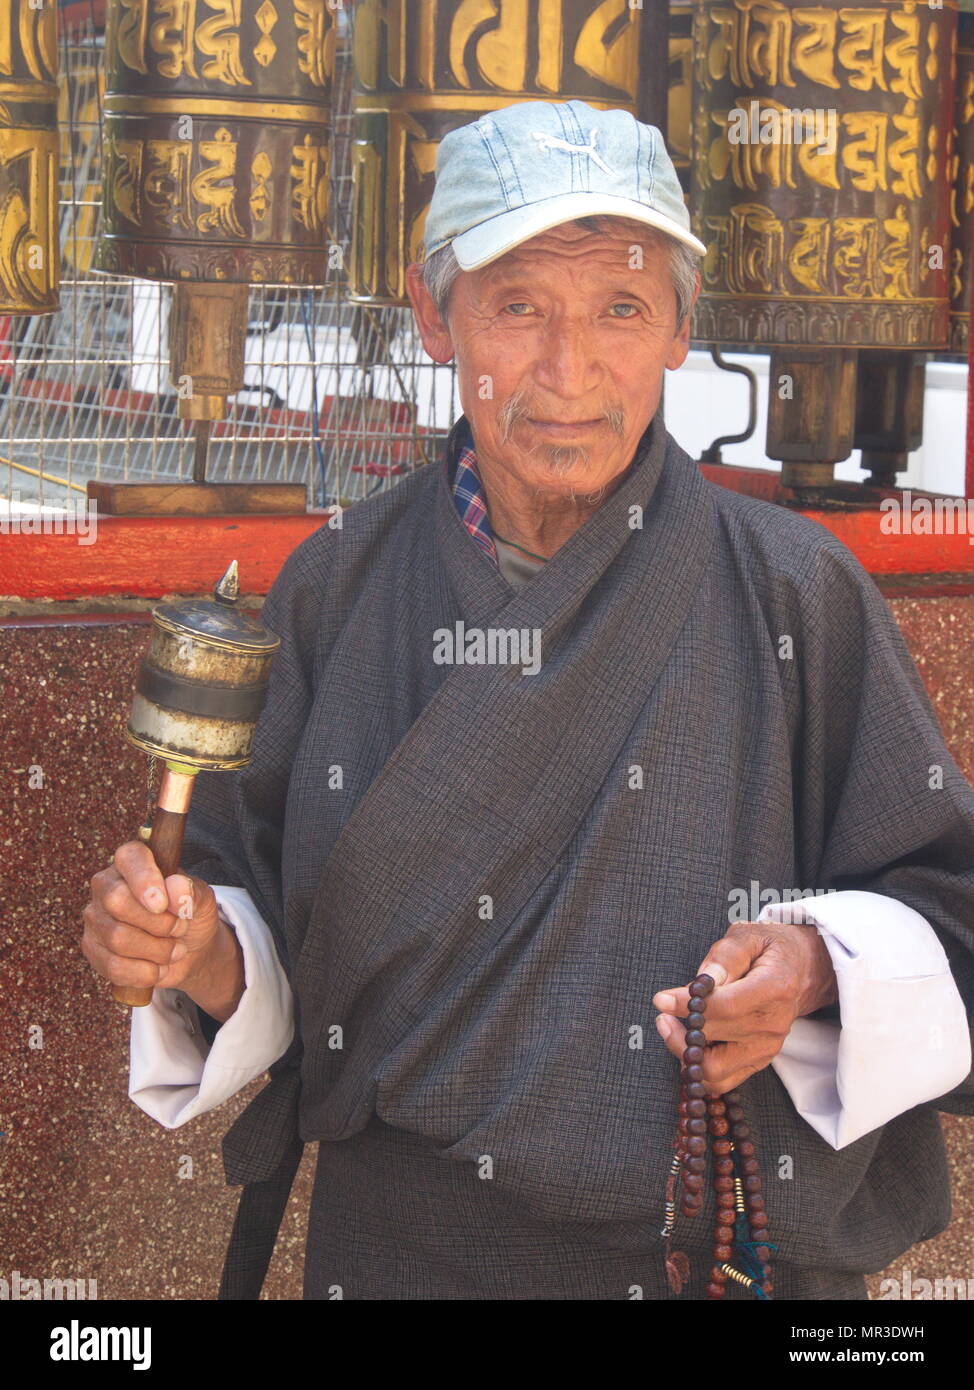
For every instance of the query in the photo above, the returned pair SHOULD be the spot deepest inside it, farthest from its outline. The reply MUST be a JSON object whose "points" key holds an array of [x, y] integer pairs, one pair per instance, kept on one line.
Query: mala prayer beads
{"points": [[741, 1239]]}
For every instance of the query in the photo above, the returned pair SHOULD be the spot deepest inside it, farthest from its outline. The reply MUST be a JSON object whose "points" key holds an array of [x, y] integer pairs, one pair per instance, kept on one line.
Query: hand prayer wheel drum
{"points": [[30, 257], [424, 67], [819, 184], [217, 136], [199, 693]]}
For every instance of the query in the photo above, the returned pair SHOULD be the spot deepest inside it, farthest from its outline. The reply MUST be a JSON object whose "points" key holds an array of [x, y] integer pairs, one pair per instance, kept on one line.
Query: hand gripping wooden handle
{"points": [[166, 843]]}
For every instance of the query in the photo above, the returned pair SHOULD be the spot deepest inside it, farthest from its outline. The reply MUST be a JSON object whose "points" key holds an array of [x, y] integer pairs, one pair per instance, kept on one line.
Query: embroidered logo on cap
{"points": [[550, 142]]}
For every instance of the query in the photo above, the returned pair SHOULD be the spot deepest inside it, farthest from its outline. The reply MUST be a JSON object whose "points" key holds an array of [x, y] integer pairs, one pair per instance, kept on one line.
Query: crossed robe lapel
{"points": [[493, 778]]}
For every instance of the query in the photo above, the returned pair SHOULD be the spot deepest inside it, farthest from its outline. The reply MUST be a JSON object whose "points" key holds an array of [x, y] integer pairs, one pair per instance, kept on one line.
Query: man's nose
{"points": [[569, 363]]}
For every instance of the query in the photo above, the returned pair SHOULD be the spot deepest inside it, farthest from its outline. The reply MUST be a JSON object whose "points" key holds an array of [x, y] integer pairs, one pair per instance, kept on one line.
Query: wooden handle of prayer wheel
{"points": [[166, 843]]}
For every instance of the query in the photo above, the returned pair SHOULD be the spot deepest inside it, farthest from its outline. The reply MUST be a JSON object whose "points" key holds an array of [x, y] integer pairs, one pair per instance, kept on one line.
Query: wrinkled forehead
{"points": [[610, 245]]}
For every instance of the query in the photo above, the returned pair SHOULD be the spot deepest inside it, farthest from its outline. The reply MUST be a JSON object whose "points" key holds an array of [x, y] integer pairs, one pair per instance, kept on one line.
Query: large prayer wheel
{"points": [[962, 191], [680, 94], [425, 67], [829, 234], [216, 166], [29, 248], [819, 183], [217, 140]]}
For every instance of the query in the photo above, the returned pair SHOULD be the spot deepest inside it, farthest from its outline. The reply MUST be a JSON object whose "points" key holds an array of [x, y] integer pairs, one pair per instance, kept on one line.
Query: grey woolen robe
{"points": [[477, 879]]}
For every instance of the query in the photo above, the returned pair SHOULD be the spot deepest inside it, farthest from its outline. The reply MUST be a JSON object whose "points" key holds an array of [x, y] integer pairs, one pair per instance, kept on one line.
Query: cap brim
{"points": [[485, 242]]}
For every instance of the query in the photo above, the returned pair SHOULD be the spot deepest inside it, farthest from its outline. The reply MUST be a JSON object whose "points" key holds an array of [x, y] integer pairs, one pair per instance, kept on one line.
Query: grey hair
{"points": [[441, 269]]}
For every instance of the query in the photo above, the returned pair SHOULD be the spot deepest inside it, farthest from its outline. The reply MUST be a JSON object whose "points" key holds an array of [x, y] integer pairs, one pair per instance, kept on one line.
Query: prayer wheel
{"points": [[29, 247], [680, 89], [202, 683], [962, 191], [819, 184], [425, 67], [199, 693], [216, 166]]}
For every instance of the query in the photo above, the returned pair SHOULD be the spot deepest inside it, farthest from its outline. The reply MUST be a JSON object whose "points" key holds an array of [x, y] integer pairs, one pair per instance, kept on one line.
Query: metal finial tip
{"points": [[228, 589]]}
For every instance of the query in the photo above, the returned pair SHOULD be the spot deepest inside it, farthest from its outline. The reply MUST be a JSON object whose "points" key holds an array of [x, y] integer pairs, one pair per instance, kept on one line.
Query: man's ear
{"points": [[681, 343], [433, 331]]}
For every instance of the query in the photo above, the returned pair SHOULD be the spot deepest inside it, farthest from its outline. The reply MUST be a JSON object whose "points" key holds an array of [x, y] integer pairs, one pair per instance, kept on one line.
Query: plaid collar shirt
{"points": [[468, 495]]}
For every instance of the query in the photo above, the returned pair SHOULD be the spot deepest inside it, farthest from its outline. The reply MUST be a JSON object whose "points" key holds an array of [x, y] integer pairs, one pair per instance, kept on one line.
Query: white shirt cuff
{"points": [[173, 1075], [903, 1038]]}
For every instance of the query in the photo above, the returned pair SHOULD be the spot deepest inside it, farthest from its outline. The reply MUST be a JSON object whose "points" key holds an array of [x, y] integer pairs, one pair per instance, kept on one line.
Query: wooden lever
{"points": [[166, 844]]}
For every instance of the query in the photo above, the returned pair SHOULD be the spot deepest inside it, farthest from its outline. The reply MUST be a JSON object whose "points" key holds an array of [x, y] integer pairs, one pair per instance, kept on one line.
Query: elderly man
{"points": [[544, 714]]}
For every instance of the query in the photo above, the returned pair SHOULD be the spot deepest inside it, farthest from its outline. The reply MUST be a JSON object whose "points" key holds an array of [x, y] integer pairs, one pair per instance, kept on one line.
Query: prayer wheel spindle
{"points": [[200, 690]]}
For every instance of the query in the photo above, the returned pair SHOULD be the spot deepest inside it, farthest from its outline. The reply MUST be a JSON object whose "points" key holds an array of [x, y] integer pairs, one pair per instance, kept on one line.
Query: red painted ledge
{"points": [[148, 557]]}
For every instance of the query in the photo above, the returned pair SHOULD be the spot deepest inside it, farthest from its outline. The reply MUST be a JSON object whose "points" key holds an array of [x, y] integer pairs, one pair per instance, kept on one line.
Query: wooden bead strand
{"points": [[741, 1236]]}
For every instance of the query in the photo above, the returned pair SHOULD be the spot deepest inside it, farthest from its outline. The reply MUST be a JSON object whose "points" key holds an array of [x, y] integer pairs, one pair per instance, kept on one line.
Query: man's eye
{"points": [[625, 306], [518, 304]]}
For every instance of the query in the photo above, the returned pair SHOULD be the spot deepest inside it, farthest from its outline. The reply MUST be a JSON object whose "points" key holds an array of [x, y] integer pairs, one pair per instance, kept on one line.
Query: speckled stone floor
{"points": [[90, 1188]]}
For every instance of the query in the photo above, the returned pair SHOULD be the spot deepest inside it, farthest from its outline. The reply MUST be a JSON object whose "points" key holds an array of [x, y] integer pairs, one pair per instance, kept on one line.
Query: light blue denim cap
{"points": [[534, 164]]}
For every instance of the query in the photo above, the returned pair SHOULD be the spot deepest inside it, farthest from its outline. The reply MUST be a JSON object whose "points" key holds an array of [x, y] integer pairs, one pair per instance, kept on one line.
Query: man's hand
{"points": [[145, 931], [766, 975]]}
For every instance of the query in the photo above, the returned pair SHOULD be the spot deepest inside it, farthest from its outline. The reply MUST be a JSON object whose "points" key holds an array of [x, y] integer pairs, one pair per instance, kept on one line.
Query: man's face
{"points": [[560, 347]]}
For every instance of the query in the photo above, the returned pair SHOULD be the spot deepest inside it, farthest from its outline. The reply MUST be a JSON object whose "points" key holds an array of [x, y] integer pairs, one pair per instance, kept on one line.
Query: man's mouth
{"points": [[563, 426]]}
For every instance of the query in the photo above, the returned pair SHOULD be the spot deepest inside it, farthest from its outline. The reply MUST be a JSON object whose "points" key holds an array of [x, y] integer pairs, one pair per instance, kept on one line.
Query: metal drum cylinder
{"points": [[201, 685], [217, 139], [818, 180], [680, 95], [29, 245], [425, 67], [962, 191]]}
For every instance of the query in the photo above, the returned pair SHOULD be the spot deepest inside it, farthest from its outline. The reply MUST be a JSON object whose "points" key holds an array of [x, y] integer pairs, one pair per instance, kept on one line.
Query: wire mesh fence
{"points": [[338, 396]]}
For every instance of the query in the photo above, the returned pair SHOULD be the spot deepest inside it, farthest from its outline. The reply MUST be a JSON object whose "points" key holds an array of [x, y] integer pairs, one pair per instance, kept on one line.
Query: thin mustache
{"points": [[516, 409]]}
